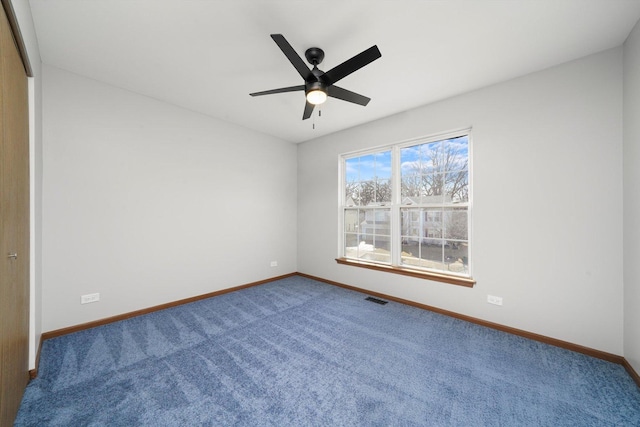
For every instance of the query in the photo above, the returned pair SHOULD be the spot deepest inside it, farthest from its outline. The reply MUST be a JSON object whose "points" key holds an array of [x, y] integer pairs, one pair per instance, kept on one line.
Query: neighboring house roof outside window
{"points": [[427, 200]]}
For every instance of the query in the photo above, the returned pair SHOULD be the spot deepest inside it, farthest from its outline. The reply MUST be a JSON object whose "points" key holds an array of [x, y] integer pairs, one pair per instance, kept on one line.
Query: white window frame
{"points": [[396, 205]]}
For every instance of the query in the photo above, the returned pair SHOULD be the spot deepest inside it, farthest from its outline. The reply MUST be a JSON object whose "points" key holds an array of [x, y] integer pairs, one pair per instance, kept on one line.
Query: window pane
{"points": [[352, 194], [366, 167], [410, 189], [456, 223], [423, 159], [456, 257], [351, 240], [432, 226], [431, 157], [368, 179], [374, 248], [424, 255], [383, 165], [367, 193], [410, 251], [410, 225], [377, 221], [456, 153], [456, 187], [410, 161], [374, 243], [383, 247], [431, 254], [431, 188], [437, 171], [383, 191], [365, 247], [352, 169], [369, 167], [351, 220], [383, 221]]}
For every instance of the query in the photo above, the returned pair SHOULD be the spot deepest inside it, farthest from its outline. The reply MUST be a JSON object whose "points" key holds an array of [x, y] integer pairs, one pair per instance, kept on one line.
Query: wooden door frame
{"points": [[17, 35]]}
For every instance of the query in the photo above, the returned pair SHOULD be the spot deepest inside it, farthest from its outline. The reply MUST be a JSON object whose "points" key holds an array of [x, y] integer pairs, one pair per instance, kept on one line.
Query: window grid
{"points": [[411, 207]]}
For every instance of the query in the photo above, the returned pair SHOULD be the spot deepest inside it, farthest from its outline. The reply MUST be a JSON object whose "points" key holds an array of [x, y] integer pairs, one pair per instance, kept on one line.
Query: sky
{"points": [[413, 159]]}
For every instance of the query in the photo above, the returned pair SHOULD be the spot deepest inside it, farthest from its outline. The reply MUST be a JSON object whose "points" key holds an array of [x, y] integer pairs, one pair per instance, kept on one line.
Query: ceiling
{"points": [[208, 55]]}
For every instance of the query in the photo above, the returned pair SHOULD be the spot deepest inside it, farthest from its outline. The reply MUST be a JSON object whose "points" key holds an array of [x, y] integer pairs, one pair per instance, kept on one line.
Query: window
{"points": [[367, 213], [407, 207]]}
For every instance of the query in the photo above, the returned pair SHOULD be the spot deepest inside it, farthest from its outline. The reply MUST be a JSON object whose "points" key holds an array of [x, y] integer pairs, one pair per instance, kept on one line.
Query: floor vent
{"points": [[376, 300]]}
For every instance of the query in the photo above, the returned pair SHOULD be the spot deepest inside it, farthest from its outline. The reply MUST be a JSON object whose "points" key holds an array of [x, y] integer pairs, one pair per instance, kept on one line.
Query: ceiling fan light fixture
{"points": [[316, 96], [318, 84]]}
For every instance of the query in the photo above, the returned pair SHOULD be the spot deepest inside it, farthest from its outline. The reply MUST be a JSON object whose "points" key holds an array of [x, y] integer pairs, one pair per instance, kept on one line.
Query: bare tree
{"points": [[368, 192], [445, 172], [456, 224]]}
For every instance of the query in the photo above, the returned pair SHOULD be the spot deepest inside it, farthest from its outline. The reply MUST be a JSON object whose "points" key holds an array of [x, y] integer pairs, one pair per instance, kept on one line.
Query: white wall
{"points": [[632, 198], [547, 214], [25, 21], [148, 203]]}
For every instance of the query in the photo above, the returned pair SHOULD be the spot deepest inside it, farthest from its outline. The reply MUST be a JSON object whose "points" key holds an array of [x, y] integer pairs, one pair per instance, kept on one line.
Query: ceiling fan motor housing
{"points": [[314, 55], [317, 85]]}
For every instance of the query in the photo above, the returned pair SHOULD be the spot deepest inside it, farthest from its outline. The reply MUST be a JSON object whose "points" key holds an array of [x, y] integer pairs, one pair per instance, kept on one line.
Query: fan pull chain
{"points": [[314, 118]]}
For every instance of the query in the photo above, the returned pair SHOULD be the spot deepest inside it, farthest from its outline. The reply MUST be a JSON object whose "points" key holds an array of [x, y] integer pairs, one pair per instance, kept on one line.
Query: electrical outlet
{"points": [[274, 263], [86, 299], [494, 300]]}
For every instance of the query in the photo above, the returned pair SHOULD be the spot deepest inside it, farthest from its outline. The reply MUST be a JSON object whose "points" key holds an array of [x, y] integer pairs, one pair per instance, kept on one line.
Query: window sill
{"points": [[420, 274]]}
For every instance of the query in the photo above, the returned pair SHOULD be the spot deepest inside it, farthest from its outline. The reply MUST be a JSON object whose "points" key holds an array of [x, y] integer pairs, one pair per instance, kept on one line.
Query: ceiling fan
{"points": [[318, 85]]}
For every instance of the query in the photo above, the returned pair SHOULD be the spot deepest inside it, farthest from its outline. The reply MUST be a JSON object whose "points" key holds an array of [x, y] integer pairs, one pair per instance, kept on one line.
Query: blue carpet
{"points": [[297, 352]]}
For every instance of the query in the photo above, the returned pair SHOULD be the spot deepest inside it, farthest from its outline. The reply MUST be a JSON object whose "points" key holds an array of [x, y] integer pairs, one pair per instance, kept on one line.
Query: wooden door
{"points": [[14, 226]]}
